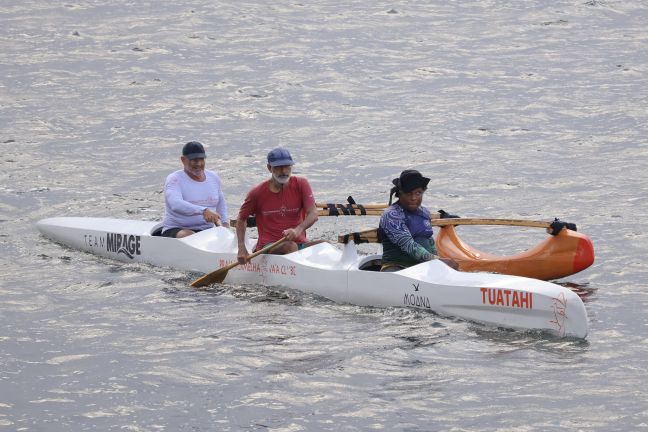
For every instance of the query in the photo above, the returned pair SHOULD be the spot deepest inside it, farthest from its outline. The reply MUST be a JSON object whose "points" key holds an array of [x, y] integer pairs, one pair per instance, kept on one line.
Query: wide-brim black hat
{"points": [[410, 180]]}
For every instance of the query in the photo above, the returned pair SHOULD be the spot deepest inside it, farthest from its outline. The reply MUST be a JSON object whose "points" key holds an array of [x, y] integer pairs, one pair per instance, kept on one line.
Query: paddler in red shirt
{"points": [[283, 205]]}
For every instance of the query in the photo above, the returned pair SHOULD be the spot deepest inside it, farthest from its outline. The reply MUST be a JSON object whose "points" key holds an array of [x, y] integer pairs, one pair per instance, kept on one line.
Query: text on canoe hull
{"points": [[254, 267], [126, 244], [507, 297]]}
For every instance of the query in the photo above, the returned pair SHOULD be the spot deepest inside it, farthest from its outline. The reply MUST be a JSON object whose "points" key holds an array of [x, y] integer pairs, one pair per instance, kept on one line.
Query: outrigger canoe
{"points": [[341, 275]]}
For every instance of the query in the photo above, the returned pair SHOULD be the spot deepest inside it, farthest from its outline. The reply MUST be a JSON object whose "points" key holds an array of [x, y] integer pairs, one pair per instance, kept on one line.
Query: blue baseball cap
{"points": [[279, 157], [193, 150]]}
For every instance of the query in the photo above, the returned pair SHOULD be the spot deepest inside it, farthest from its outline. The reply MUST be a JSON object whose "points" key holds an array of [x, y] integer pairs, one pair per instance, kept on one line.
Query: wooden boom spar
{"points": [[554, 227]]}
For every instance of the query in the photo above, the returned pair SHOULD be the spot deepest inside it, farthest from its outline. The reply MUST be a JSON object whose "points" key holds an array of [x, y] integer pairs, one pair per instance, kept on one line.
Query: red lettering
{"points": [[500, 298], [516, 300], [507, 297], [526, 300]]}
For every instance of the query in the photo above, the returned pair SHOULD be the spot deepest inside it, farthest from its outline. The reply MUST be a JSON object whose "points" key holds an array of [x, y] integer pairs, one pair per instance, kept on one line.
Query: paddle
{"points": [[334, 210], [351, 206], [371, 235], [481, 221], [553, 227], [218, 276], [354, 206]]}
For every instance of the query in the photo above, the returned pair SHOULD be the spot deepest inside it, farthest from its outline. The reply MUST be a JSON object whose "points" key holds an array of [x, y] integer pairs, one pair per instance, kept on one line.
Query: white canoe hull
{"points": [[492, 299]]}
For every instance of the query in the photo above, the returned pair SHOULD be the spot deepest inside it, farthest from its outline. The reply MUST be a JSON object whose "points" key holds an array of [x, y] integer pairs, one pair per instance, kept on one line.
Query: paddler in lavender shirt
{"points": [[193, 196]]}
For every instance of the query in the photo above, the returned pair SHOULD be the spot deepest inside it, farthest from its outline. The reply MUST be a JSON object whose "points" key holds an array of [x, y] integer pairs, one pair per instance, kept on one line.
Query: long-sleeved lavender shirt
{"points": [[185, 200]]}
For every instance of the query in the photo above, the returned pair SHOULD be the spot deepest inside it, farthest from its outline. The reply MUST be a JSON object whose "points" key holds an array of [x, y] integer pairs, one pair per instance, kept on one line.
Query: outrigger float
{"points": [[341, 275]]}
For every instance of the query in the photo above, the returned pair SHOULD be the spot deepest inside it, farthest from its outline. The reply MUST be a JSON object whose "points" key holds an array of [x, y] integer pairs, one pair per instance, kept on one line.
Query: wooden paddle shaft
{"points": [[267, 248], [373, 206], [327, 212], [480, 221], [371, 235], [356, 212], [220, 274]]}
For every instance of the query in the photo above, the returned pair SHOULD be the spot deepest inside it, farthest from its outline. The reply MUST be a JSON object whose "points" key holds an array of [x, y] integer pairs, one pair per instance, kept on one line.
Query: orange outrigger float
{"points": [[559, 255]]}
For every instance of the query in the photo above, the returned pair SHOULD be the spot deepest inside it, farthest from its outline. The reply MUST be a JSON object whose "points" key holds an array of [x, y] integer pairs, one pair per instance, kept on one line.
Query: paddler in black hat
{"points": [[405, 226]]}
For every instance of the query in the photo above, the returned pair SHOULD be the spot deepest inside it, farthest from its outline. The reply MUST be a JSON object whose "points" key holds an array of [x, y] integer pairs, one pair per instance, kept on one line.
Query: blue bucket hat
{"points": [[193, 150], [279, 157]]}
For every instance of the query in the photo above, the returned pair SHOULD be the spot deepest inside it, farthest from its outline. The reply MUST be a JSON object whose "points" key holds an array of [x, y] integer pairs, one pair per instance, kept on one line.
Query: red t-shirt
{"points": [[278, 211]]}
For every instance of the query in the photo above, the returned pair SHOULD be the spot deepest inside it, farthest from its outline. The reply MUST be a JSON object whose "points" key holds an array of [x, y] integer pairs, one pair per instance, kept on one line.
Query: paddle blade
{"points": [[216, 276]]}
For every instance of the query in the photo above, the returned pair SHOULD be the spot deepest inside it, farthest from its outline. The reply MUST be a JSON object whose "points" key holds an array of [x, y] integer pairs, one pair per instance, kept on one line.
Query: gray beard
{"points": [[281, 180], [197, 173]]}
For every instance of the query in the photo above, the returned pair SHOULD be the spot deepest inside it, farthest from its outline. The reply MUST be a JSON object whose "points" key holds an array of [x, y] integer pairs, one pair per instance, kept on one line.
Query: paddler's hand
{"points": [[292, 233], [242, 256], [211, 216]]}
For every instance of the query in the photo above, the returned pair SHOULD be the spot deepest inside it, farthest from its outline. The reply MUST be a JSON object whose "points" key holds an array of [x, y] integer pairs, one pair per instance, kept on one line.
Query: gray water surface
{"points": [[515, 109]]}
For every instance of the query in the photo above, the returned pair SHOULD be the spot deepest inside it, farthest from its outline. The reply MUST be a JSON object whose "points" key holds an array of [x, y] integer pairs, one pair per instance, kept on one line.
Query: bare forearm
{"points": [[309, 220], [241, 227]]}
